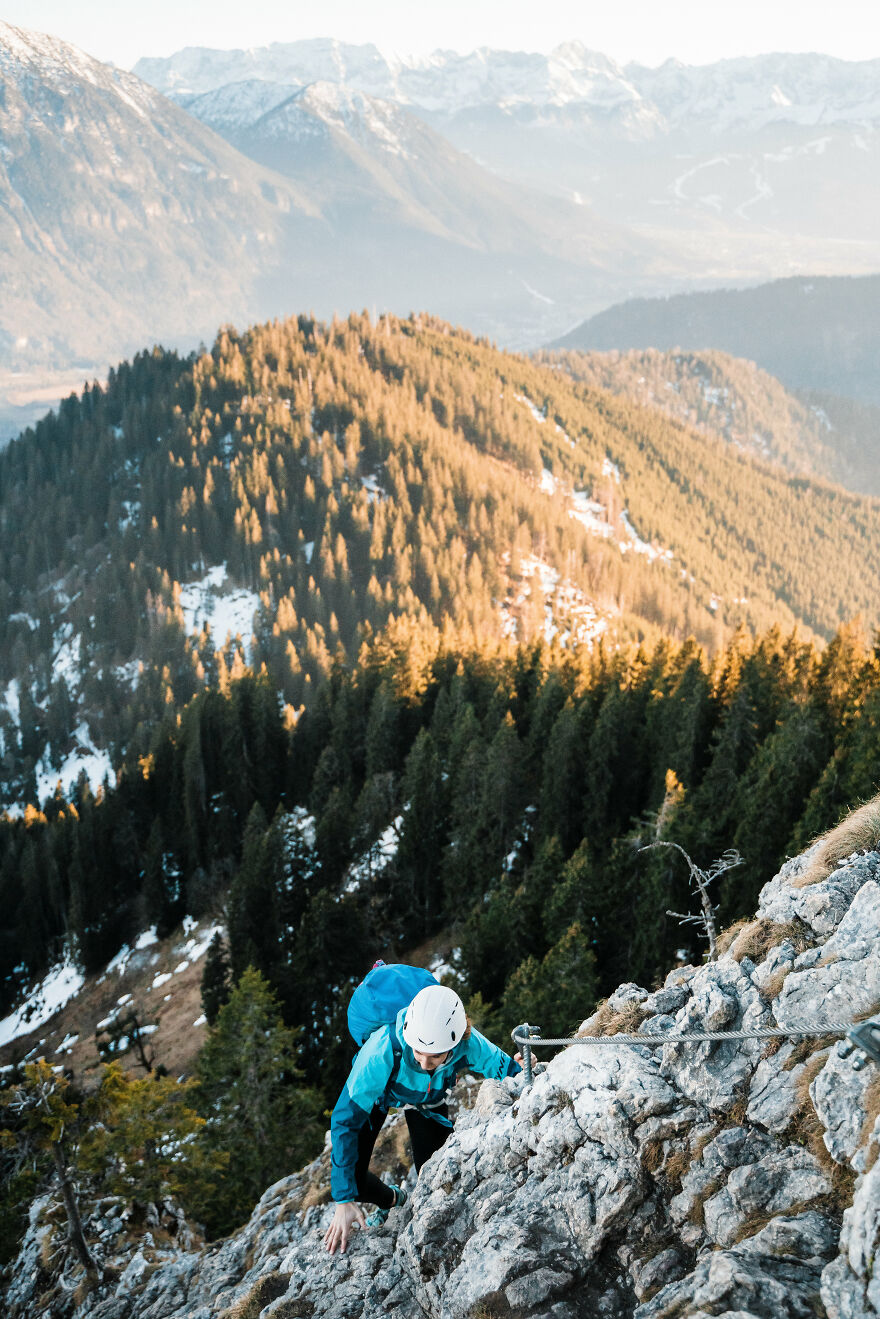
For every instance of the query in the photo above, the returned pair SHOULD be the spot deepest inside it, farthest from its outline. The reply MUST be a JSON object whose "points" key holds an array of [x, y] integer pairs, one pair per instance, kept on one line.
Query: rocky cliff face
{"points": [[735, 1179]]}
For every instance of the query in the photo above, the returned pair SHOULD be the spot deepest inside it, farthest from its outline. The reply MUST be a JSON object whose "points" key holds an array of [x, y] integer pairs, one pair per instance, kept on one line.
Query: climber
{"points": [[412, 1061]]}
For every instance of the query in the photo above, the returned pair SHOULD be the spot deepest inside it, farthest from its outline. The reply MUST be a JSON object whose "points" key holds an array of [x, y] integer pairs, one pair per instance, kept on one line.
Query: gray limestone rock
{"points": [[774, 1184], [774, 1273], [773, 1097], [668, 999], [850, 1283], [626, 994], [713, 1074], [821, 906], [779, 958], [628, 1182], [840, 1098], [846, 979]]}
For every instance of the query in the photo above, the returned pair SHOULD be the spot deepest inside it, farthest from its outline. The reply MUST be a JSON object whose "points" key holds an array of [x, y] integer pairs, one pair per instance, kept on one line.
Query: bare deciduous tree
{"points": [[700, 881]]}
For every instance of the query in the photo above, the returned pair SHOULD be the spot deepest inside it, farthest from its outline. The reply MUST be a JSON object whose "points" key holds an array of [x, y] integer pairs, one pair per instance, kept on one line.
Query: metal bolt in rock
{"points": [[866, 1037]]}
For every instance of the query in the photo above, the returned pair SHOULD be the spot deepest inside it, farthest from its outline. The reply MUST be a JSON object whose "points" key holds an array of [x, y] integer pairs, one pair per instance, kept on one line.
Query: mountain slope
{"points": [[734, 399], [302, 481], [635, 1183], [821, 334], [359, 151], [123, 220], [424, 223]]}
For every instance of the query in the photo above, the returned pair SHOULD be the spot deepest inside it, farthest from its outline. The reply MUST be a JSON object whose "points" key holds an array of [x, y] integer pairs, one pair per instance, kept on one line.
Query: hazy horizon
{"points": [[634, 31]]}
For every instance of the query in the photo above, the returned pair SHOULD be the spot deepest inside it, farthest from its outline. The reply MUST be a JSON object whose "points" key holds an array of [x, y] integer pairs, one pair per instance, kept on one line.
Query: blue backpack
{"points": [[380, 996]]}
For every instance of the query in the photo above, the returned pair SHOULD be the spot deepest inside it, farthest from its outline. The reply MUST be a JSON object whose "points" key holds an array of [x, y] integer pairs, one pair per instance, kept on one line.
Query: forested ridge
{"points": [[808, 432], [352, 472], [379, 766]]}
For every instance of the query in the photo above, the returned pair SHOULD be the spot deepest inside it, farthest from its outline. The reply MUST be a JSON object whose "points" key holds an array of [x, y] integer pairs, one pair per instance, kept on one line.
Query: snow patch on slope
{"points": [[56, 989], [569, 618], [376, 858], [227, 610], [84, 758]]}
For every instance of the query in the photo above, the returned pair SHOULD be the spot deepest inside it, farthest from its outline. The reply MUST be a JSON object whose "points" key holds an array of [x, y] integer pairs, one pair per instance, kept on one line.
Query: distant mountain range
{"points": [[750, 92], [124, 218], [814, 334], [511, 193], [742, 163], [120, 216]]}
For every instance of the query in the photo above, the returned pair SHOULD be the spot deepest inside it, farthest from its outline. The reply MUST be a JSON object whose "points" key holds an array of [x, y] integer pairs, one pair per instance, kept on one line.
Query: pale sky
{"points": [[649, 31]]}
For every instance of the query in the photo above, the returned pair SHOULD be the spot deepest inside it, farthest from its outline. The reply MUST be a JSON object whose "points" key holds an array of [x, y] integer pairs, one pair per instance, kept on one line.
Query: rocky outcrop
{"points": [[737, 1179]]}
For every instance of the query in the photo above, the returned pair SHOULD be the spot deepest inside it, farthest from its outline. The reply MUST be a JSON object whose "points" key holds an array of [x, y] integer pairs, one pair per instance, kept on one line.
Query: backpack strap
{"points": [[396, 1049]]}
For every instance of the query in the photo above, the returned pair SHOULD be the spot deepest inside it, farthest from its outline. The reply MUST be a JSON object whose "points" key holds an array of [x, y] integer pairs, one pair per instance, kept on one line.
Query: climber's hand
{"points": [[341, 1224], [517, 1058]]}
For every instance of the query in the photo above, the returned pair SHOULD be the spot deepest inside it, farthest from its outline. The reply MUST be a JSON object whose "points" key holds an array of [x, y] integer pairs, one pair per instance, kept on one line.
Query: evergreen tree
{"points": [[420, 854], [254, 927], [556, 993], [259, 1116], [156, 900], [216, 985]]}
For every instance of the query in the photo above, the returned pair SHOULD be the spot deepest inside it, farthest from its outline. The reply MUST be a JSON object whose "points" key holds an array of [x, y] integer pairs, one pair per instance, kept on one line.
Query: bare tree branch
{"points": [[700, 881]]}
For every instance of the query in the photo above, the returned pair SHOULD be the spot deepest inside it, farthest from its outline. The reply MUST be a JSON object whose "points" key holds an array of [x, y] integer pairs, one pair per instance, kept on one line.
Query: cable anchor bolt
{"points": [[522, 1034], [865, 1037]]}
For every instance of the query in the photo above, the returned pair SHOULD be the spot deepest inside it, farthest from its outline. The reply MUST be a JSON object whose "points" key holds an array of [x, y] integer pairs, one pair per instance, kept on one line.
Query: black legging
{"points": [[425, 1136]]}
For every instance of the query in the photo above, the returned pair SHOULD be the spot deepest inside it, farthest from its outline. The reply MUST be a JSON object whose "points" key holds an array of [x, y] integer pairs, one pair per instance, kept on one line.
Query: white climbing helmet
{"points": [[435, 1021]]}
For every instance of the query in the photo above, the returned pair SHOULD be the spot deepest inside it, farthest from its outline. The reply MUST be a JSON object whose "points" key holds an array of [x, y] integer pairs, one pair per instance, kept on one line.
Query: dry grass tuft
{"points": [[47, 1249], [727, 937], [756, 938], [81, 1292], [626, 1021], [677, 1165], [773, 987], [317, 1193], [495, 1306], [858, 832], [301, 1308], [806, 1049], [872, 1109], [673, 1167], [696, 1213], [652, 1155], [806, 1129], [754, 1222], [265, 1289], [736, 1116]]}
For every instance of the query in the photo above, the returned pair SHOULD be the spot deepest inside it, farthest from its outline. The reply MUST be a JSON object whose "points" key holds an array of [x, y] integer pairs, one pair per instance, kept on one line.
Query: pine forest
{"points": [[502, 632]]}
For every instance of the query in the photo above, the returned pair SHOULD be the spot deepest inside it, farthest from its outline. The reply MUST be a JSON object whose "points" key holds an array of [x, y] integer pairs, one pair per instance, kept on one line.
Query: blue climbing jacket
{"points": [[386, 1074]]}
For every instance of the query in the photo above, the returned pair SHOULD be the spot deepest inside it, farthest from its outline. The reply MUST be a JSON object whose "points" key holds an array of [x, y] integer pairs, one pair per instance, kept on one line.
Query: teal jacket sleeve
{"points": [[487, 1059], [364, 1088]]}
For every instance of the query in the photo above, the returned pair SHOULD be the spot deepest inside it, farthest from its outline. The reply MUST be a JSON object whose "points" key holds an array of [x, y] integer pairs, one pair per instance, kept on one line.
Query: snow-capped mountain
{"points": [[811, 90], [279, 110], [378, 163], [122, 219], [747, 92], [442, 82], [751, 168]]}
